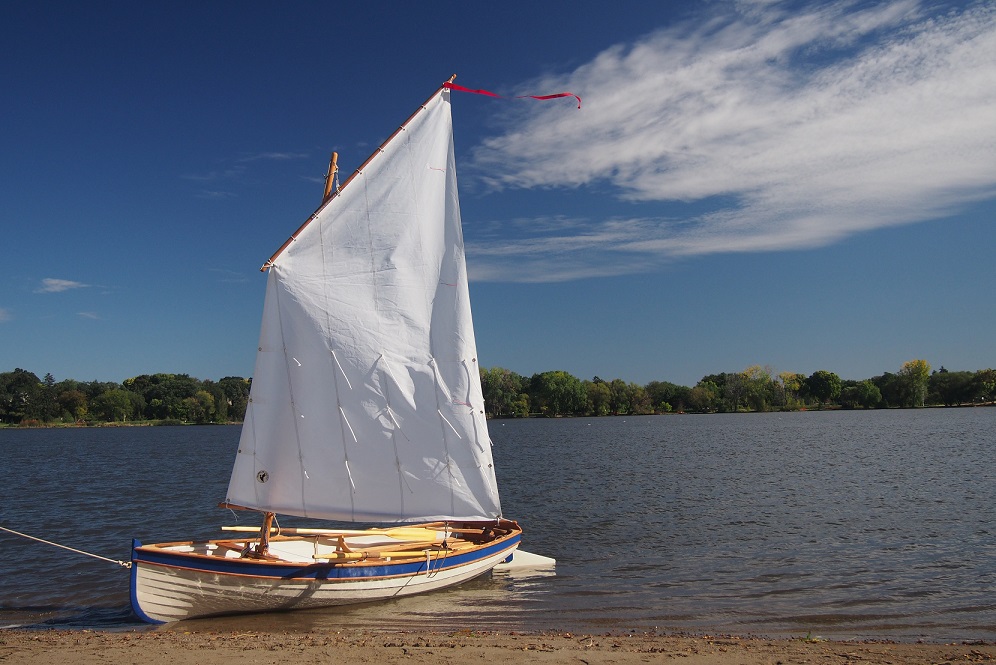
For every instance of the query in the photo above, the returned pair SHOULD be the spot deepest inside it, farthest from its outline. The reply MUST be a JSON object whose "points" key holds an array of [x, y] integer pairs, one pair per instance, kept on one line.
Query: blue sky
{"points": [[801, 186]]}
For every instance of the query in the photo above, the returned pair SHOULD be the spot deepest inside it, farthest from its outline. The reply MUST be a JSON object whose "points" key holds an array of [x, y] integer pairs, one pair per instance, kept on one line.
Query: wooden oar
{"points": [[384, 554], [401, 532]]}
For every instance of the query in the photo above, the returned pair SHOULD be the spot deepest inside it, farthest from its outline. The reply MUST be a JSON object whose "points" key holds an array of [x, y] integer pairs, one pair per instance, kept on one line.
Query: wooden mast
{"points": [[263, 547], [330, 176]]}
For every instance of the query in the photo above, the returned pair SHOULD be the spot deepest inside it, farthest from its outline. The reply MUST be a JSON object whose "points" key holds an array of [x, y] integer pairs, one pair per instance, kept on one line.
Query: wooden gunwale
{"points": [[364, 563], [504, 530]]}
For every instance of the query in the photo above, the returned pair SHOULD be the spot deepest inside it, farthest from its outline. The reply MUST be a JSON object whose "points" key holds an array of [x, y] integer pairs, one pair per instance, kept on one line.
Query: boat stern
{"points": [[134, 591]]}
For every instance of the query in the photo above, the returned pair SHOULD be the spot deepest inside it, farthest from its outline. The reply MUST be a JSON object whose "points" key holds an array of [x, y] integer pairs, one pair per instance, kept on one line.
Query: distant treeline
{"points": [[558, 393], [178, 398], [166, 398]]}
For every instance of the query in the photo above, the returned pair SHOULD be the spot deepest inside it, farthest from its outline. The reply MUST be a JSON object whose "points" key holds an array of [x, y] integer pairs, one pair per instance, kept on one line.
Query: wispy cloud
{"points": [[237, 167], [791, 128], [215, 194], [229, 276], [5, 315], [272, 156], [88, 315], [51, 285]]}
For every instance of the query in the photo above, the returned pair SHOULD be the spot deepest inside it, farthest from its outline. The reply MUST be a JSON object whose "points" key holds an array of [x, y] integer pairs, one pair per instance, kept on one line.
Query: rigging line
{"points": [[123, 564]]}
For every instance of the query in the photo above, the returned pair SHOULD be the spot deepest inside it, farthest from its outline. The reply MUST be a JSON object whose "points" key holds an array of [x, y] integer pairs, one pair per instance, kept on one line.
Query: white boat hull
{"points": [[171, 585]]}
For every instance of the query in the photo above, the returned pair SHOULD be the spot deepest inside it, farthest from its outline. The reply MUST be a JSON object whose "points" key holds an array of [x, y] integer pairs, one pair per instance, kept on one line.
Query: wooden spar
{"points": [[404, 550], [330, 176], [361, 556], [395, 532], [379, 150]]}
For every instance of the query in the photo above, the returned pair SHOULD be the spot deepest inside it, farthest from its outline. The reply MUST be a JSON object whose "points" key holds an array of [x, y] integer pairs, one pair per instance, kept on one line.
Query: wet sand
{"points": [[176, 645]]}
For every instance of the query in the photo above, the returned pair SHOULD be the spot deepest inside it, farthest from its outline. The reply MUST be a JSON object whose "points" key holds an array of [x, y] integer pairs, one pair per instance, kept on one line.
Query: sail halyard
{"points": [[367, 403]]}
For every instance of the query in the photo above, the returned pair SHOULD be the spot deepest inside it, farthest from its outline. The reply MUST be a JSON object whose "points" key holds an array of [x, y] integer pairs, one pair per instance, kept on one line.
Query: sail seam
{"points": [[293, 404], [326, 260], [402, 480]]}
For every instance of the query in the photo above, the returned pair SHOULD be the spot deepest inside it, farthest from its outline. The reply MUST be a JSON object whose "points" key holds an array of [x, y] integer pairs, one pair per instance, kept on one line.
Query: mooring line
{"points": [[123, 564]]}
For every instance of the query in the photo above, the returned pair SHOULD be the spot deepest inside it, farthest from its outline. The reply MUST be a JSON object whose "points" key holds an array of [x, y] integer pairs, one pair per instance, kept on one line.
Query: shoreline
{"points": [[175, 644]]}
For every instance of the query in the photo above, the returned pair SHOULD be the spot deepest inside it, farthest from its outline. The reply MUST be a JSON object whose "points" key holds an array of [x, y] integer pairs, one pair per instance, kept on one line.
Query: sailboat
{"points": [[366, 407]]}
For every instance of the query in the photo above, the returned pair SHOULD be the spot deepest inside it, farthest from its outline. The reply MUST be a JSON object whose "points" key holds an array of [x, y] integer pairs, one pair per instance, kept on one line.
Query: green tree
{"points": [[19, 392], [199, 408], [558, 393], [915, 374], [619, 397], [891, 388], [665, 396], [73, 404], [117, 405], [985, 379], [792, 388], [599, 397], [47, 408], [704, 397], [951, 388], [164, 394], [823, 386], [760, 390], [639, 400], [501, 388], [860, 394], [236, 391]]}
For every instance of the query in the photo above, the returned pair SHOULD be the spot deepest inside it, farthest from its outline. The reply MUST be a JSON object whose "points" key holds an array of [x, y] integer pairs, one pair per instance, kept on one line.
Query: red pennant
{"points": [[460, 88]]}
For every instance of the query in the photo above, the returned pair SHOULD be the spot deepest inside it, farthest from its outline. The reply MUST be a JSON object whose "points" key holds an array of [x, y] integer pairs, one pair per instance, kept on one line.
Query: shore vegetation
{"points": [[173, 399]]}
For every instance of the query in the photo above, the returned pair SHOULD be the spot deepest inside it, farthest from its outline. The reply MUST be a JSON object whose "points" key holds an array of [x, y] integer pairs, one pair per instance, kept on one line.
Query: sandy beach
{"points": [[175, 645]]}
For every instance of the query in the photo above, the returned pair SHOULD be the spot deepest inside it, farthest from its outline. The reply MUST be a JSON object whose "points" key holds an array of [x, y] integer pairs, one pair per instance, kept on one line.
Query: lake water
{"points": [[876, 524]]}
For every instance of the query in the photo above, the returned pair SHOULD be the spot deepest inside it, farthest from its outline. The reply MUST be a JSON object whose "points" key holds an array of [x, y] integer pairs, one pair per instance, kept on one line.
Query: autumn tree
{"points": [[792, 385]]}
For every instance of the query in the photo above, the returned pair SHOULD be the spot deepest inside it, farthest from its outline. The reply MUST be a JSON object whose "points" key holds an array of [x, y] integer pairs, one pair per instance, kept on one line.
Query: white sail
{"points": [[366, 400]]}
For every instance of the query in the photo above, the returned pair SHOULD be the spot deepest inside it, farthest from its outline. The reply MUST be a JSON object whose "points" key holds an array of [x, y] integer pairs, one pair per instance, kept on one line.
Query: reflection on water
{"points": [[842, 524]]}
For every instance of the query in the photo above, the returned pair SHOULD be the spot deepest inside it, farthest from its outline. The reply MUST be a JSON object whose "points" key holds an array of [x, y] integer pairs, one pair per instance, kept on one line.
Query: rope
{"points": [[123, 564]]}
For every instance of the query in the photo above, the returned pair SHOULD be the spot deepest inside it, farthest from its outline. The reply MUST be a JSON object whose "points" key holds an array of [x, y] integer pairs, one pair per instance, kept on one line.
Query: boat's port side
{"points": [[173, 581]]}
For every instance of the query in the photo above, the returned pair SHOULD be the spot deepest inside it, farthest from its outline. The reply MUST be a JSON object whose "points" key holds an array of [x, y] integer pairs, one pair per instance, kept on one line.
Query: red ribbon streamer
{"points": [[460, 88]]}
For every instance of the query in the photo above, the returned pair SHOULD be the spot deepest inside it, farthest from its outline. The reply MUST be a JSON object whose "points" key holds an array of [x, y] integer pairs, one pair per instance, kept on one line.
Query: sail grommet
{"points": [[262, 476]]}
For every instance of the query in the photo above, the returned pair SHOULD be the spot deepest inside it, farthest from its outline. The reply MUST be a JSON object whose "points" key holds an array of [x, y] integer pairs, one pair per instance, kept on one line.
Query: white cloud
{"points": [[88, 315], [796, 128], [50, 285]]}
